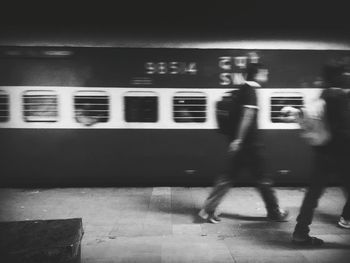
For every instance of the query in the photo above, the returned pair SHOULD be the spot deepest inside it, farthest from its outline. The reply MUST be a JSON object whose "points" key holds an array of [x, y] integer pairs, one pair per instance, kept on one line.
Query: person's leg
{"points": [[264, 185], [310, 201], [274, 212], [301, 231], [344, 220], [346, 210], [221, 187]]}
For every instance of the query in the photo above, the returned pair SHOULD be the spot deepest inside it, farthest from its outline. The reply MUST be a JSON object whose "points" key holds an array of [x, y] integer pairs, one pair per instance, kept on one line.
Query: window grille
{"points": [[4, 106], [91, 107], [40, 106], [141, 107], [279, 101], [189, 107]]}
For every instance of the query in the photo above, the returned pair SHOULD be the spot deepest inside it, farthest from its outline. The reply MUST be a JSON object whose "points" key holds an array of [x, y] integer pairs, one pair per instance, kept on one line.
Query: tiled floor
{"points": [[160, 224]]}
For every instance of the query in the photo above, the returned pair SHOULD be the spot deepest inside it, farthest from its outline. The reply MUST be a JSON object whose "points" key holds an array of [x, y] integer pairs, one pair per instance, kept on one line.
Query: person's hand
{"points": [[235, 146], [288, 110], [289, 114]]}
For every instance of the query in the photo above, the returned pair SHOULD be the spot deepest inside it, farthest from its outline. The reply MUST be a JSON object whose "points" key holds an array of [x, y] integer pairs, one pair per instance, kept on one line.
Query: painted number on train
{"points": [[172, 68], [232, 68]]}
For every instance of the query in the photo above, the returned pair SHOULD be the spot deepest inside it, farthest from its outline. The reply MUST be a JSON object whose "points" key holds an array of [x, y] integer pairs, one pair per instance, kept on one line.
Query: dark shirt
{"points": [[246, 98], [337, 111]]}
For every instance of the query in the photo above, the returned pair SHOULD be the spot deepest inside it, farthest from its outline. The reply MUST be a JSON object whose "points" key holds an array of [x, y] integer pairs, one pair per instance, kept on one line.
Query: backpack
{"points": [[225, 112], [314, 124]]}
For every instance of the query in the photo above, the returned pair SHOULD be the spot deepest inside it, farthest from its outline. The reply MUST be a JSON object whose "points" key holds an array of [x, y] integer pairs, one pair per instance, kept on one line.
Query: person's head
{"points": [[256, 72], [86, 115], [333, 75]]}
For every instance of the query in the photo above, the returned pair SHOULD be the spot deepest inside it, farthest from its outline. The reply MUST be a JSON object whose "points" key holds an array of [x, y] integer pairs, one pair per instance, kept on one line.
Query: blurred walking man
{"points": [[244, 150], [331, 156]]}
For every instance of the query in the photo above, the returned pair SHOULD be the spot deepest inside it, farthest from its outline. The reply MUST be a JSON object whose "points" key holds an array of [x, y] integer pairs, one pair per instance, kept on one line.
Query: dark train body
{"points": [[146, 116]]}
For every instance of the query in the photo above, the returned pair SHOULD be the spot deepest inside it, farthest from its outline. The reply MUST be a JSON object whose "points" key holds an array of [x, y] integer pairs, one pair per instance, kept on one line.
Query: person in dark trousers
{"points": [[333, 156], [244, 151]]}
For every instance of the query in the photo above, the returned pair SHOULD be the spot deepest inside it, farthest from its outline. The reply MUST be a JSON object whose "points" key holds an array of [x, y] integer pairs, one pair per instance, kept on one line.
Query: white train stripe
{"points": [[66, 110]]}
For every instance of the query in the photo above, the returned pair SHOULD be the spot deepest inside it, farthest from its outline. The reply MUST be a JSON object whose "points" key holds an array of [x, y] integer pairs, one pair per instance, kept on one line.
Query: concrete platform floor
{"points": [[160, 224]]}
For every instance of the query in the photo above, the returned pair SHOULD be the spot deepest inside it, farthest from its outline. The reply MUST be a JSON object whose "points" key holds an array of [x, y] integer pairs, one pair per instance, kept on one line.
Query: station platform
{"points": [[161, 225]]}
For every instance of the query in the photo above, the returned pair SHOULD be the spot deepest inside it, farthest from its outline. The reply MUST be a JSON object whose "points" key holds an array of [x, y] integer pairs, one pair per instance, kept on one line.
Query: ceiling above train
{"points": [[171, 23]]}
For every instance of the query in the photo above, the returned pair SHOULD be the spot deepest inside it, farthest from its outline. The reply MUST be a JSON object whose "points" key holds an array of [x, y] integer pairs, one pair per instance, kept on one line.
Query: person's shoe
{"points": [[211, 218], [278, 215], [214, 219], [203, 214], [344, 223], [307, 241]]}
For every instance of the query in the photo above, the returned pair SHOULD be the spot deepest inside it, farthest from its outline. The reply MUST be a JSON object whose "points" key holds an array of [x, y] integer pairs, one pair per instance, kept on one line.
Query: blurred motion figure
{"points": [[331, 151], [244, 150]]}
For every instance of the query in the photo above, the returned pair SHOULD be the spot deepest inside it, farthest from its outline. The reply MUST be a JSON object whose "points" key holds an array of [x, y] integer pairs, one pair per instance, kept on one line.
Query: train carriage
{"points": [[145, 115]]}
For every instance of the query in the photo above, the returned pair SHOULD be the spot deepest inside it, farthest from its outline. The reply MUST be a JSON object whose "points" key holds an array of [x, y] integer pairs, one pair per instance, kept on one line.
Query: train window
{"points": [[189, 107], [91, 107], [40, 106], [141, 107], [4, 106], [279, 101]]}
